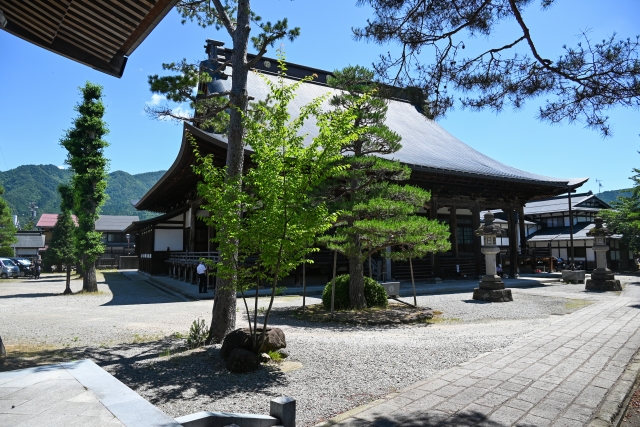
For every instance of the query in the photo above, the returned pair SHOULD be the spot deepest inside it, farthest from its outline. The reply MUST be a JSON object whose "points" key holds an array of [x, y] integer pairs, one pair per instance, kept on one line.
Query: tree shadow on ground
{"points": [[428, 419], [163, 366], [36, 295]]}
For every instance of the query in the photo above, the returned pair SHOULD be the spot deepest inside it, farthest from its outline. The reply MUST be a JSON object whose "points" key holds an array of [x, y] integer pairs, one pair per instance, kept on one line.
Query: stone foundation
{"points": [[603, 285], [492, 295], [603, 280]]}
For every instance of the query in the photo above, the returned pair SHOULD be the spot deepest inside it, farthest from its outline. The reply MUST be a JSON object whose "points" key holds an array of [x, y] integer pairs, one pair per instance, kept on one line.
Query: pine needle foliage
{"points": [[7, 228], [62, 249], [375, 210]]}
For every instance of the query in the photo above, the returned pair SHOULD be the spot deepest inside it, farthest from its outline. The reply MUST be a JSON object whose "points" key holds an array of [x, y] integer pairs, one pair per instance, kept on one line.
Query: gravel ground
{"points": [[331, 368]]}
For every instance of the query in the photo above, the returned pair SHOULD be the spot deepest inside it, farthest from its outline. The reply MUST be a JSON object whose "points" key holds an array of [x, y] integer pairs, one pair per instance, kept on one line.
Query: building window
{"points": [[465, 235], [555, 222]]}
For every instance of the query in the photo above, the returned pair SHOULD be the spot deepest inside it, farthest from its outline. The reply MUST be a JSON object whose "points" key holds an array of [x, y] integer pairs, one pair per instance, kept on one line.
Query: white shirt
{"points": [[201, 269]]}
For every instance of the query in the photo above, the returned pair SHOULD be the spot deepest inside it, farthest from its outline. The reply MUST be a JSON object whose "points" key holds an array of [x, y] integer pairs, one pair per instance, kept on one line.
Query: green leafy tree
{"points": [[86, 159], [62, 250], [624, 218], [280, 219], [375, 210], [237, 18], [7, 228], [581, 84]]}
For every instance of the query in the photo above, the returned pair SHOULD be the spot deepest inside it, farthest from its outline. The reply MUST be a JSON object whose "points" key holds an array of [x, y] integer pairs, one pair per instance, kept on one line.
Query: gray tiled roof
{"points": [[425, 144], [580, 231], [115, 222], [561, 204], [29, 241]]}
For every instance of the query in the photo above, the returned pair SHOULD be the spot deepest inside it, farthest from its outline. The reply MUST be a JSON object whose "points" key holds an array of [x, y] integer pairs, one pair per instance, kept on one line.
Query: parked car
{"points": [[24, 265], [8, 268]]}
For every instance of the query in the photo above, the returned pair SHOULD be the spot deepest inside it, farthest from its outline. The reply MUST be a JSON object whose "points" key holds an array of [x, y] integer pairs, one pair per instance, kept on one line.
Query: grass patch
{"points": [[275, 356], [576, 304], [139, 339], [439, 319]]}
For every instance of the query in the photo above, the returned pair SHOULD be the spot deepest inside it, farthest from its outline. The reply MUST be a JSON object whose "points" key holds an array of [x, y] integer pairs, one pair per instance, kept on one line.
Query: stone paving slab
{"points": [[558, 375], [73, 394]]}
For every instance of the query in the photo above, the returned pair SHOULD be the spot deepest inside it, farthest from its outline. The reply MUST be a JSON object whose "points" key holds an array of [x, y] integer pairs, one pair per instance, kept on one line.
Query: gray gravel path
{"points": [[334, 367]]}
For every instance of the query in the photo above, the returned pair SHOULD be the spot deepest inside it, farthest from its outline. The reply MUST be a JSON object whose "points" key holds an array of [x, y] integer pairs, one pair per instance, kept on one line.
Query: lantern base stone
{"points": [[492, 295], [603, 280]]}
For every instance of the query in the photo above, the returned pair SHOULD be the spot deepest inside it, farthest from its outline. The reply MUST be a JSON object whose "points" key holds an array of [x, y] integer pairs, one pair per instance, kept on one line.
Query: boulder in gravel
{"points": [[241, 338], [265, 358], [241, 361]]}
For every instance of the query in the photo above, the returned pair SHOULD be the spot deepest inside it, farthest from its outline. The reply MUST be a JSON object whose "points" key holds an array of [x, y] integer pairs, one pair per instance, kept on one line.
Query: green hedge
{"points": [[374, 293]]}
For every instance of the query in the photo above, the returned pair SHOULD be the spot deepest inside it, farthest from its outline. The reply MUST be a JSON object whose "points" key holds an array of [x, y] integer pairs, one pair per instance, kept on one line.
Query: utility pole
{"points": [[599, 182]]}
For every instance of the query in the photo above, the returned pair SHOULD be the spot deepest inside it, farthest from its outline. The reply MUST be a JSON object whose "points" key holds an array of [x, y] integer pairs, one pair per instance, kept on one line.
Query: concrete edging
{"points": [[617, 399]]}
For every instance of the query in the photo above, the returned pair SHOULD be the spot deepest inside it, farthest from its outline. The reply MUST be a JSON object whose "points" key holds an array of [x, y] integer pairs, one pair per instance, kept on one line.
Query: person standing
{"points": [[202, 277]]}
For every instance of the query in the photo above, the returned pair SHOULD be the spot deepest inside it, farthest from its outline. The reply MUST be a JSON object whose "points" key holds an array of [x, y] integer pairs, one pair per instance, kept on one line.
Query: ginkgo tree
{"points": [[280, 216]]}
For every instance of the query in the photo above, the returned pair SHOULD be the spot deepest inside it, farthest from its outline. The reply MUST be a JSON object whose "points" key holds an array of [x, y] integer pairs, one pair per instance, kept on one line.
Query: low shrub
{"points": [[374, 294], [197, 334]]}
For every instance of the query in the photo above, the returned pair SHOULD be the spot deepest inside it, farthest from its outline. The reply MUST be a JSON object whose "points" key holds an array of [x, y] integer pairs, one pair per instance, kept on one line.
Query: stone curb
{"points": [[355, 411], [617, 399]]}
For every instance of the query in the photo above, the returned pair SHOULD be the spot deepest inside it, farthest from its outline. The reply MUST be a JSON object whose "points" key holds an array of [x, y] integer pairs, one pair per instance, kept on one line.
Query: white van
{"points": [[8, 268]]}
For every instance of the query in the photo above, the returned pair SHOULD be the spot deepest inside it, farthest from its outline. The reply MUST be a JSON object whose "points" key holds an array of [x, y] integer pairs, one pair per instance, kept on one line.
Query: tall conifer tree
{"points": [[61, 249], [375, 210], [86, 159], [7, 228]]}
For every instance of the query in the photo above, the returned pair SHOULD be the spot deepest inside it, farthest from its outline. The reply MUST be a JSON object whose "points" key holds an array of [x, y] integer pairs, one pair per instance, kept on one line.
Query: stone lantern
{"points": [[602, 279], [491, 286]]}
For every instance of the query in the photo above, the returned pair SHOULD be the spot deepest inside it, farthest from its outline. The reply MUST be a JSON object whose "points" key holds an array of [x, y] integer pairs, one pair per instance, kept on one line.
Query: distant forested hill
{"points": [[39, 183], [612, 195]]}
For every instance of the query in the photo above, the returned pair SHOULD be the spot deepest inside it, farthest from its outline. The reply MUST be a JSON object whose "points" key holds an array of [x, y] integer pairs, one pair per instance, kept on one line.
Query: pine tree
{"points": [[61, 249], [86, 159], [466, 53], [376, 211], [237, 18], [7, 228]]}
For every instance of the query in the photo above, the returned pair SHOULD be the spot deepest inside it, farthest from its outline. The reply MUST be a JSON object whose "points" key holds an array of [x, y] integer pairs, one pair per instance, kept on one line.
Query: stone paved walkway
{"points": [[557, 376]]}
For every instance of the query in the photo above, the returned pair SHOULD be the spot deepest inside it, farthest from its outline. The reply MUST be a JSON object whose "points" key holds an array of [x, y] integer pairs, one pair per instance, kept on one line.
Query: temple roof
{"points": [[433, 154]]}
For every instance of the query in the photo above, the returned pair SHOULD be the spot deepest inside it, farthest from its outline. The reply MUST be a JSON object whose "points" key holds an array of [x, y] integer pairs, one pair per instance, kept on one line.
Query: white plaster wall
{"points": [[591, 255], [171, 239]]}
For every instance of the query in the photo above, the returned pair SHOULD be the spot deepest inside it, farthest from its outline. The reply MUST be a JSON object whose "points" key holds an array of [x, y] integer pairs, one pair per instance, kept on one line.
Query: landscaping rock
{"points": [[284, 354], [241, 361], [241, 338], [265, 358], [236, 339]]}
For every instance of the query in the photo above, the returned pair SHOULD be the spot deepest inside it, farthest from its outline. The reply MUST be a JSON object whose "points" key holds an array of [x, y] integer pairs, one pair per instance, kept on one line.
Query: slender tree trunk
{"points": [[223, 319], [67, 290], [89, 280], [356, 284]]}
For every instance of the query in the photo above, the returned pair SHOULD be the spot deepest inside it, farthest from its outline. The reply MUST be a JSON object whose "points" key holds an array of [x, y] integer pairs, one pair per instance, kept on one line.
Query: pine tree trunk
{"points": [[356, 284], [67, 290], [89, 280], [223, 319], [223, 316]]}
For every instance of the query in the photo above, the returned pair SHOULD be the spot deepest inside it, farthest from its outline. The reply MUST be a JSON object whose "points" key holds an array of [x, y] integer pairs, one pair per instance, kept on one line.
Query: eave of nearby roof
{"points": [[98, 34]]}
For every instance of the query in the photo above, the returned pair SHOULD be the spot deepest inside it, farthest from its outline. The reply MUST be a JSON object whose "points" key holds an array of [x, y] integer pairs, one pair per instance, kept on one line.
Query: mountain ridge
{"points": [[39, 184]]}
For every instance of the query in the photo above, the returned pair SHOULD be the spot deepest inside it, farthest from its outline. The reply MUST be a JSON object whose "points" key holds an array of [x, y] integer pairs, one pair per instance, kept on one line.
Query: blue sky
{"points": [[38, 90]]}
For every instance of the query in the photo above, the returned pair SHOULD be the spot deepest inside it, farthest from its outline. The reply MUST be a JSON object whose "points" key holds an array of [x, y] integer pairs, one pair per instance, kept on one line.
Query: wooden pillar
{"points": [[192, 229], [513, 243], [523, 234], [433, 214], [477, 240], [453, 226]]}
